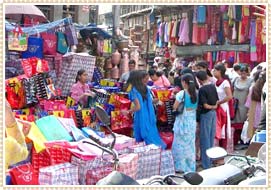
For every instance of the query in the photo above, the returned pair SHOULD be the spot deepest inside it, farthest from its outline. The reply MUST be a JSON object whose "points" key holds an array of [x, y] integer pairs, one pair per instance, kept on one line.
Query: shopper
{"points": [[80, 90], [223, 127], [15, 145], [207, 114], [254, 104], [124, 77], [159, 80], [203, 66], [241, 87], [183, 147], [145, 128]]}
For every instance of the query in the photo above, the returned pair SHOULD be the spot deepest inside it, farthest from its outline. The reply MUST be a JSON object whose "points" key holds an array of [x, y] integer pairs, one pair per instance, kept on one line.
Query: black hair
{"points": [[257, 88], [132, 62], [221, 67], [188, 70], [201, 75], [189, 80], [256, 75], [204, 65], [79, 73], [154, 72], [244, 68], [135, 79], [236, 67]]}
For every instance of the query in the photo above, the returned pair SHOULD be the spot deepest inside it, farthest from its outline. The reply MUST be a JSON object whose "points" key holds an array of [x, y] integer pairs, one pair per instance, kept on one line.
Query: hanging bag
{"points": [[49, 43], [34, 49], [62, 46], [71, 35], [24, 175], [17, 40]]}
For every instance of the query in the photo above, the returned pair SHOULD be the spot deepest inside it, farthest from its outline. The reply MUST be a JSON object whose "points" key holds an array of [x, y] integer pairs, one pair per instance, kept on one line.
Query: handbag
{"points": [[24, 175], [71, 35], [49, 46], [62, 46], [34, 49], [17, 40], [181, 105]]}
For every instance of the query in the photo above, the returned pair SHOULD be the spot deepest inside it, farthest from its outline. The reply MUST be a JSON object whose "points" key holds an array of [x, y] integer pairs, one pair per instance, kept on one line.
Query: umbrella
{"points": [[16, 12], [91, 29]]}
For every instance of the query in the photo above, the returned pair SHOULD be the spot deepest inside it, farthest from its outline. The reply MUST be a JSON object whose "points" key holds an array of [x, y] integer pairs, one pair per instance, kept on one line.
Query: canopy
{"points": [[39, 28], [87, 31]]}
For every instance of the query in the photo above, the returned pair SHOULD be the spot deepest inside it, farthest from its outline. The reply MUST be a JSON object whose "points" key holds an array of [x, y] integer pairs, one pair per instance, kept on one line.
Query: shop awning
{"points": [[39, 28]]}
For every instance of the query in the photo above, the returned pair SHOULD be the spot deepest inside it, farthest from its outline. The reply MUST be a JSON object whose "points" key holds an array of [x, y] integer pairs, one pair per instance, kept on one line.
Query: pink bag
{"points": [[61, 174], [99, 165], [148, 160], [128, 164]]}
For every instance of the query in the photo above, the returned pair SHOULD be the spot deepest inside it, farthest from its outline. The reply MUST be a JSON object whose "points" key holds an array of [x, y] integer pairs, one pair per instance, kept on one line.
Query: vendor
{"points": [[80, 90], [159, 80], [124, 77]]}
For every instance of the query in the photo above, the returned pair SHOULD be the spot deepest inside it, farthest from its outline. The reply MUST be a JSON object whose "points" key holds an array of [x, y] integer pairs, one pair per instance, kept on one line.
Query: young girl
{"points": [[183, 147], [80, 90], [144, 116]]}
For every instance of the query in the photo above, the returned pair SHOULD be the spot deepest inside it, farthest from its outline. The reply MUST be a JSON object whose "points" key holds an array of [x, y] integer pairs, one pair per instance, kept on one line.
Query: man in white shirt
{"points": [[124, 77]]}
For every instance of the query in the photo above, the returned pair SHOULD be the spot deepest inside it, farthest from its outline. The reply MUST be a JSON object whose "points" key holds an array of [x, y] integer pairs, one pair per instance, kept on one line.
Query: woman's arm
{"points": [[228, 95], [136, 106]]}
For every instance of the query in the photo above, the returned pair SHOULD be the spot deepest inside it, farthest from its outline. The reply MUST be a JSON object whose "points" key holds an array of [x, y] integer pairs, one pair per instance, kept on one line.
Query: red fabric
{"points": [[167, 137], [49, 43], [221, 120]]}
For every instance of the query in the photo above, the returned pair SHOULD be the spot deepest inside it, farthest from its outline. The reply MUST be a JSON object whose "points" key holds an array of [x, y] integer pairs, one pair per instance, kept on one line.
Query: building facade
{"points": [[81, 14]]}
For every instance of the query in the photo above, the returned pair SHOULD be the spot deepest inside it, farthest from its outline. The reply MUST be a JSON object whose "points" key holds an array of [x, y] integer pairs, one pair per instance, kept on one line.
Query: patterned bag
{"points": [[72, 62], [100, 165], [71, 35], [61, 174], [62, 46], [148, 160], [17, 40], [167, 163], [128, 164], [24, 175], [34, 49], [49, 43]]}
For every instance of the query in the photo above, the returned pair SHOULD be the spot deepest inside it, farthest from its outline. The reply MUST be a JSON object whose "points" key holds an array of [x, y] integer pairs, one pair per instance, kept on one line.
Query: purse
{"points": [[17, 40], [34, 49], [181, 105], [62, 46], [50, 41]]}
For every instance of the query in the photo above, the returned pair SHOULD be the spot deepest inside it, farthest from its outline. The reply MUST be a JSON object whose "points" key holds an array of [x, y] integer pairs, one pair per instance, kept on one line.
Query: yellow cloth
{"points": [[35, 135], [15, 152]]}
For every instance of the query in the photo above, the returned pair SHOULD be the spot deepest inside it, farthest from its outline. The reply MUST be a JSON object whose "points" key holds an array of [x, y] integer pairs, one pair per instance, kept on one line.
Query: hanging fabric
{"points": [[62, 46], [201, 14]]}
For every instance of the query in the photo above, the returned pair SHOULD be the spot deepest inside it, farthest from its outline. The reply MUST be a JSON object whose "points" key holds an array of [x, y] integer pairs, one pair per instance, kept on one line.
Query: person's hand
{"points": [[26, 128], [92, 94], [155, 100]]}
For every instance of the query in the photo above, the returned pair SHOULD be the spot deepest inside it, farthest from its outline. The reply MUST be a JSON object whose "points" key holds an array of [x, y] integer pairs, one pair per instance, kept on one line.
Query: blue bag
{"points": [[62, 46], [34, 48]]}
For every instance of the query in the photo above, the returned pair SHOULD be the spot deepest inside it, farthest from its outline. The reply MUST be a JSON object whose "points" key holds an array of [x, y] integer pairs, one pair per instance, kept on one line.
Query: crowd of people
{"points": [[216, 105]]}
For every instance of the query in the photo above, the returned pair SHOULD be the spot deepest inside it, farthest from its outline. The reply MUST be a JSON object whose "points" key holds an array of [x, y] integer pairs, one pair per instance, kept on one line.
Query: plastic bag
{"points": [[244, 135]]}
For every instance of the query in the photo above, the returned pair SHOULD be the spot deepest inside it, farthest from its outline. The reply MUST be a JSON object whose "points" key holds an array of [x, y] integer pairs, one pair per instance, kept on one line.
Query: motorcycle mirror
{"points": [[193, 178], [105, 119], [102, 115], [216, 153]]}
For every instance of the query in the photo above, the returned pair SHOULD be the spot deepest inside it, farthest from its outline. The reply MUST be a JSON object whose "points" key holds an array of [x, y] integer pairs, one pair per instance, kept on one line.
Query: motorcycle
{"points": [[118, 178], [238, 170]]}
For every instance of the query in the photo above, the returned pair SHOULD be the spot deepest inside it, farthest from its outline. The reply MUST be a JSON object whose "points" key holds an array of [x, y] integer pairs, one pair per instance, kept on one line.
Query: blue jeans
{"points": [[207, 135]]}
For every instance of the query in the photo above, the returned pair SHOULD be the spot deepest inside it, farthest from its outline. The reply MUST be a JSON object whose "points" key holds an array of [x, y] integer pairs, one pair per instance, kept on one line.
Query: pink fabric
{"points": [[257, 109], [184, 31], [162, 82], [77, 90]]}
